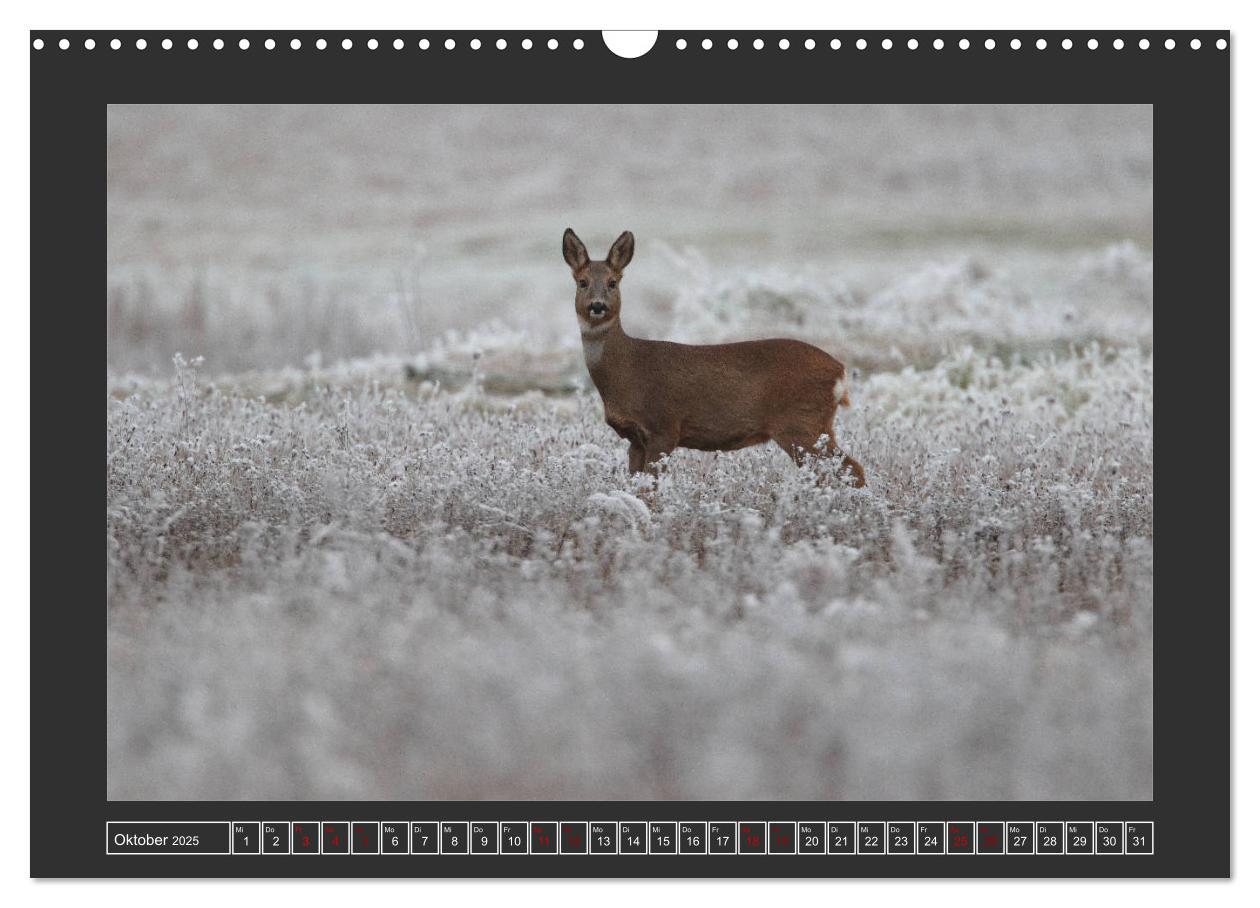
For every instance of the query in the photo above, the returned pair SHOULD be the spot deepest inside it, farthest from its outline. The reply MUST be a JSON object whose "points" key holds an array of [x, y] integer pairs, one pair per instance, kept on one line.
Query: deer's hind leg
{"points": [[801, 444]]}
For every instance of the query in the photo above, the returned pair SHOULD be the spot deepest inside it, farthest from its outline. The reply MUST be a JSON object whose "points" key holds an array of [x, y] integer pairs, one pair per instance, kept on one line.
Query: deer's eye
{"points": [[612, 285], [582, 283]]}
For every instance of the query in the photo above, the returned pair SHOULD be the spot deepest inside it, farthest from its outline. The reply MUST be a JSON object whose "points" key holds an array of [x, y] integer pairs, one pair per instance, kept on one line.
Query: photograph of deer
{"points": [[660, 395], [380, 524]]}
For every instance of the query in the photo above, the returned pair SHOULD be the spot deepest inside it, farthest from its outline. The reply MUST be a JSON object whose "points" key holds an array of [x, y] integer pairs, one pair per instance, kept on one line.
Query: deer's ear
{"points": [[622, 251], [574, 251]]}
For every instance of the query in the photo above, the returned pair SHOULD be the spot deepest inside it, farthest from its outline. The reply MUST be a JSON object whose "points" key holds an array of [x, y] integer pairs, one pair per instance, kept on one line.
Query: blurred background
{"points": [[261, 236]]}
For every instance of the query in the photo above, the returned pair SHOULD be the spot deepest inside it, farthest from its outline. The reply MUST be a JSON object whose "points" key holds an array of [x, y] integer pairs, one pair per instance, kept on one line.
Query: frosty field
{"points": [[369, 537]]}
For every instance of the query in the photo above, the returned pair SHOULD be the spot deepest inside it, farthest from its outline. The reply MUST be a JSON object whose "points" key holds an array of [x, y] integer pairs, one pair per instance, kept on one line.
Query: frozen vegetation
{"points": [[379, 543]]}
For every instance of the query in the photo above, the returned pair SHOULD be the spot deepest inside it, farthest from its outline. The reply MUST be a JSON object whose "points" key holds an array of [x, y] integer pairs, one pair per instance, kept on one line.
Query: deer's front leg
{"points": [[638, 458], [655, 447]]}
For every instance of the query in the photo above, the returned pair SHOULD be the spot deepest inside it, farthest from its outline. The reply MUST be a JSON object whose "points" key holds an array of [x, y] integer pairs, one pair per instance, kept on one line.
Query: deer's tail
{"points": [[841, 390]]}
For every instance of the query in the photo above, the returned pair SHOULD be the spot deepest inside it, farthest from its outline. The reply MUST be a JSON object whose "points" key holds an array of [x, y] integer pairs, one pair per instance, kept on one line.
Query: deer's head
{"points": [[598, 299]]}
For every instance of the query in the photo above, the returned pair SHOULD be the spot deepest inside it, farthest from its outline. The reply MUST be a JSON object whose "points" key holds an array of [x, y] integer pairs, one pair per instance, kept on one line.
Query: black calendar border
{"points": [[1190, 91]]}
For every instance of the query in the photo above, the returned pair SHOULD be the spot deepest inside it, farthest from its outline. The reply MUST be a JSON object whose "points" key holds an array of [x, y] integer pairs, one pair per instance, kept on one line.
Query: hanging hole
{"points": [[629, 44]]}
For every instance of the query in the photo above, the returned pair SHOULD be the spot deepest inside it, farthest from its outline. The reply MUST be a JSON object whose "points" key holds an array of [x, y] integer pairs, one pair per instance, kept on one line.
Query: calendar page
{"points": [[701, 453]]}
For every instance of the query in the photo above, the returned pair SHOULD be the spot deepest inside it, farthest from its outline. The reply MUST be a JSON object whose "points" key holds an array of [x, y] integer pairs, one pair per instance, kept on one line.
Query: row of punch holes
{"points": [[681, 44]]}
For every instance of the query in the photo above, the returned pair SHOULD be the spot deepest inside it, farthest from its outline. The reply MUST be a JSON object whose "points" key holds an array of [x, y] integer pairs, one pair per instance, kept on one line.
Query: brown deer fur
{"points": [[659, 395]]}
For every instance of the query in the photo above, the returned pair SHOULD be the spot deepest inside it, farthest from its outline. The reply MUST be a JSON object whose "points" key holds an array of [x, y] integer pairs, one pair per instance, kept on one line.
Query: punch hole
{"points": [[630, 44], [963, 44], [373, 44], [192, 43], [681, 44], [809, 43], [270, 44], [578, 44], [1170, 44], [243, 44], [1221, 44], [89, 44], [64, 43], [835, 43], [913, 44], [1067, 43], [784, 44], [886, 44], [218, 44], [320, 44], [1195, 43], [295, 44], [1118, 44], [475, 44], [1041, 44], [707, 43], [527, 44], [938, 44], [1092, 44], [1144, 44], [167, 44], [861, 44], [501, 44], [399, 43], [449, 44], [989, 44], [552, 44], [758, 44], [346, 44], [732, 44], [1016, 44], [424, 44], [38, 44]]}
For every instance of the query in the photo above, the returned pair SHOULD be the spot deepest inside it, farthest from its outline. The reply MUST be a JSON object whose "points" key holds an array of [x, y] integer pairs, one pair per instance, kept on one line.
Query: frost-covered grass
{"points": [[383, 593]]}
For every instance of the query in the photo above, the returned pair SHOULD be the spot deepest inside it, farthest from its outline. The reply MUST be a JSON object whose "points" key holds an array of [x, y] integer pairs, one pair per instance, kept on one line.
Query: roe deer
{"points": [[719, 397]]}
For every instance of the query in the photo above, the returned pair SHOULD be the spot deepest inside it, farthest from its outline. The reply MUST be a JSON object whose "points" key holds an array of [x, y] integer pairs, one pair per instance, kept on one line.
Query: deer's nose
{"points": [[597, 308]]}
